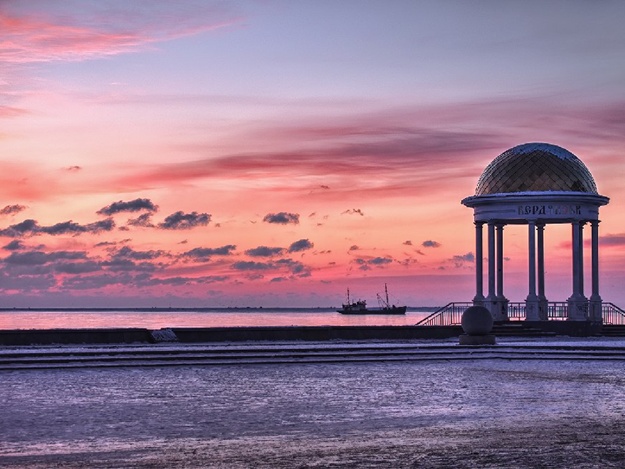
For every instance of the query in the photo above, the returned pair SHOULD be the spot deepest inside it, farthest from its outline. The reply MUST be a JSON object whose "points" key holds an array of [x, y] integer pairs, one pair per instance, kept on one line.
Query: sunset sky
{"points": [[275, 153]]}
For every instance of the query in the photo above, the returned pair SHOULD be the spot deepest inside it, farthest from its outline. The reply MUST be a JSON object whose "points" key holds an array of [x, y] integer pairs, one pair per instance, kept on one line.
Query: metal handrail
{"points": [[448, 315], [612, 314], [451, 313]]}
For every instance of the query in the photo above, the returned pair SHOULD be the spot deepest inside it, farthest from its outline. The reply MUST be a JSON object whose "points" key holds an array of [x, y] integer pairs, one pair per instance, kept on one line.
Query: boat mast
{"points": [[386, 292]]}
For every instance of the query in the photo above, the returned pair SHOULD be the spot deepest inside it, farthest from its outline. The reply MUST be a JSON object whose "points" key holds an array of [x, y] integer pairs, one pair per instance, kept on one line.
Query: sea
{"points": [[24, 319]]}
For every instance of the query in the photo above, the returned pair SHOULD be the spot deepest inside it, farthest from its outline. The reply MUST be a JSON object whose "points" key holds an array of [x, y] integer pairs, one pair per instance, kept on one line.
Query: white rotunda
{"points": [[536, 184]]}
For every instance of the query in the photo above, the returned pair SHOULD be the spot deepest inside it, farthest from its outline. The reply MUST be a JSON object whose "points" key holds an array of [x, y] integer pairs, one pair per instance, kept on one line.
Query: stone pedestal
{"points": [[477, 323]]}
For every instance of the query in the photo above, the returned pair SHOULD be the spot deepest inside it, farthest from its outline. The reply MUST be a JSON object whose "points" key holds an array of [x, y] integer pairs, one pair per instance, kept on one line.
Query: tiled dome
{"points": [[535, 167]]}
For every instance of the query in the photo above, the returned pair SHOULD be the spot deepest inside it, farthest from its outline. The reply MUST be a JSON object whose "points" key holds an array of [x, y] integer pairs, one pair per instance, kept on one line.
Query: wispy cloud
{"points": [[73, 30]]}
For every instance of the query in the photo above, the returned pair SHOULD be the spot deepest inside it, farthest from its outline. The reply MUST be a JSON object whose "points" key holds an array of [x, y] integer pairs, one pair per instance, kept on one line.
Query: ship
{"points": [[360, 306]]}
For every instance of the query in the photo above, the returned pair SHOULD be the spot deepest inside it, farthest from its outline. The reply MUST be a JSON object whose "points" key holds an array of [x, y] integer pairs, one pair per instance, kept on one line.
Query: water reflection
{"points": [[16, 319]]}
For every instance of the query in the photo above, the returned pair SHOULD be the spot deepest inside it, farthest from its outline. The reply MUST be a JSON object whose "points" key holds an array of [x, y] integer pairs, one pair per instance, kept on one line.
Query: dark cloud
{"points": [[40, 257], [407, 243], [282, 218], [73, 168], [120, 264], [204, 253], [365, 264], [184, 221], [294, 267], [25, 227], [264, 251], [144, 220], [131, 206], [353, 211], [31, 227], [380, 261], [460, 260], [251, 265], [300, 245], [129, 253], [354, 247], [14, 245], [177, 281], [12, 209], [430, 244], [70, 227], [77, 267]]}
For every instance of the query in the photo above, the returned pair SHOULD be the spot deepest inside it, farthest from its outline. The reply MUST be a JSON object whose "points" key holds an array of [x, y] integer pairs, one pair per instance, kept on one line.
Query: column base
{"points": [[532, 308], [543, 308], [498, 308], [479, 300], [577, 308], [595, 309]]}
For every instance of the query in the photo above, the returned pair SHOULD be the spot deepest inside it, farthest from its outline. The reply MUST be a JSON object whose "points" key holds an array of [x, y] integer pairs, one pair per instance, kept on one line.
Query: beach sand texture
{"points": [[441, 413]]}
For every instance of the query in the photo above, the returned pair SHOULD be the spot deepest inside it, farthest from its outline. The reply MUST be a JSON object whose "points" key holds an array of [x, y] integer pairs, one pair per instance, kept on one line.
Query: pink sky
{"points": [[201, 153]]}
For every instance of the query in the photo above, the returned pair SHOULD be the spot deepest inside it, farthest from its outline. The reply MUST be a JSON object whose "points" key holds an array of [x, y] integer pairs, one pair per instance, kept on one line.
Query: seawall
{"points": [[224, 334]]}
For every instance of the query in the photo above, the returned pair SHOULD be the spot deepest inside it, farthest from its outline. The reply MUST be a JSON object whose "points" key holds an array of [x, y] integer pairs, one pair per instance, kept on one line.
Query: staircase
{"points": [[613, 330], [519, 329]]}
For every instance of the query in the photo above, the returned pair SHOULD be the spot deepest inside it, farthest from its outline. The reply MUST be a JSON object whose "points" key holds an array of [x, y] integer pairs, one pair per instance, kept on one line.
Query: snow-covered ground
{"points": [[441, 413]]}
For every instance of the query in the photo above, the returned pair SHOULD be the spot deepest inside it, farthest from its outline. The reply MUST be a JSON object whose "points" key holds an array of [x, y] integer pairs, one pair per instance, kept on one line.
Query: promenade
{"points": [[554, 402]]}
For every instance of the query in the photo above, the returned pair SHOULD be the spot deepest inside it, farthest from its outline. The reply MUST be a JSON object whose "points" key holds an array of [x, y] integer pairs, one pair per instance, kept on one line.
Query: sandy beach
{"points": [[424, 413]]}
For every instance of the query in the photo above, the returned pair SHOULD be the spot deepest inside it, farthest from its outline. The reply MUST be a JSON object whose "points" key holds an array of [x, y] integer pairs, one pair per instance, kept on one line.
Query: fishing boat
{"points": [[360, 306]]}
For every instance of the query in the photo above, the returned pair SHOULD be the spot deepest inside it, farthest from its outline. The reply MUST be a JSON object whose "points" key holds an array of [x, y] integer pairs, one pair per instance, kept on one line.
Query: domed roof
{"points": [[535, 167]]}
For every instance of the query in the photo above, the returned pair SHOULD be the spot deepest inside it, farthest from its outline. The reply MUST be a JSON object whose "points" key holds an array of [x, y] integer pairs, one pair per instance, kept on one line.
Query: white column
{"points": [[502, 302], [491, 262], [531, 302], [500, 261], [595, 313], [577, 303], [479, 263], [542, 299]]}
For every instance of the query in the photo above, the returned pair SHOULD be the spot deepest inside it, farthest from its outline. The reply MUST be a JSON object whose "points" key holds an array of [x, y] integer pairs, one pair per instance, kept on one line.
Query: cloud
{"points": [[205, 253], [365, 264], [430, 244], [380, 261], [40, 257], [407, 243], [264, 251], [129, 253], [294, 267], [69, 227], [69, 31], [30, 227], [76, 268], [282, 218], [612, 240], [353, 247], [460, 260], [301, 245], [131, 206], [254, 266], [14, 245], [144, 220], [353, 211], [12, 209], [185, 221]]}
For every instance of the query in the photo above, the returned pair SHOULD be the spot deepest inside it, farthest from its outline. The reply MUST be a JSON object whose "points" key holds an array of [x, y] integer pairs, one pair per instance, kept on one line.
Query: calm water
{"points": [[17, 319]]}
